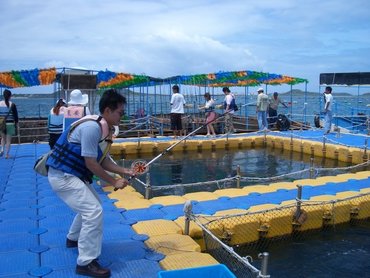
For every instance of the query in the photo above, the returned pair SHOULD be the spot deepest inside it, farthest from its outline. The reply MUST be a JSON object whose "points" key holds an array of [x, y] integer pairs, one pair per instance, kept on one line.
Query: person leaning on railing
{"points": [[9, 114]]}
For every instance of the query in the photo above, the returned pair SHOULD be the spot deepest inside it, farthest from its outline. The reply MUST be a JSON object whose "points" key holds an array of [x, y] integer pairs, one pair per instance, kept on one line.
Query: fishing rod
{"points": [[143, 167]]}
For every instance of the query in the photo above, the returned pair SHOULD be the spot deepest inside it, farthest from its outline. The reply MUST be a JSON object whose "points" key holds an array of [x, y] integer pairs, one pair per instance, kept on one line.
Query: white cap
{"points": [[260, 89], [78, 98]]}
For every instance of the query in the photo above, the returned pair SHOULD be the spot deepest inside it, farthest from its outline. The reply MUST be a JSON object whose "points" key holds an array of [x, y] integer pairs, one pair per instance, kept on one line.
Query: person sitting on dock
{"points": [[76, 157], [76, 108], [55, 121], [177, 110], [210, 114]]}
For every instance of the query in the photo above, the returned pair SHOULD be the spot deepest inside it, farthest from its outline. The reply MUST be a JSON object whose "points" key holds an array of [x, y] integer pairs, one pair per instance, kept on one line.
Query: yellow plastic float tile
{"points": [[187, 260], [335, 179], [277, 222], [362, 175], [230, 192], [157, 227], [358, 155], [230, 212], [109, 188], [146, 147], [261, 207], [237, 226], [365, 190], [312, 182], [172, 244], [123, 195], [133, 204], [346, 194], [283, 185], [168, 200], [334, 213], [194, 230], [313, 212], [360, 203], [201, 196], [258, 189]]}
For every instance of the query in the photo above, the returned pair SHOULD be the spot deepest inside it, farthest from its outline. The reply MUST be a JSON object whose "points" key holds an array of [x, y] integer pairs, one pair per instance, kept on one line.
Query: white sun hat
{"points": [[260, 89], [77, 98]]}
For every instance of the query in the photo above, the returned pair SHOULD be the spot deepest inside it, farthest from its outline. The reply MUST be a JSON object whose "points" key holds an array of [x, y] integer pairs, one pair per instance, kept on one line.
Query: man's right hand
{"points": [[120, 183]]}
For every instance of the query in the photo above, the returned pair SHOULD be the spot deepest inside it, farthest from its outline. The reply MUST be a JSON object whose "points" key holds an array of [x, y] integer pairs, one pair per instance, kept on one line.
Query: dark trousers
{"points": [[272, 117]]}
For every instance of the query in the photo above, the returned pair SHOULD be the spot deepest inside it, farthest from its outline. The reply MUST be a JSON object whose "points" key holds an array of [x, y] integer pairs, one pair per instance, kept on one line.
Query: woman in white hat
{"points": [[76, 108]]}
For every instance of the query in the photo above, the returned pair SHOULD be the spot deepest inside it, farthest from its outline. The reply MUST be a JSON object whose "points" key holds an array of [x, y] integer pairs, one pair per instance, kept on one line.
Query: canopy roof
{"points": [[109, 79], [345, 78]]}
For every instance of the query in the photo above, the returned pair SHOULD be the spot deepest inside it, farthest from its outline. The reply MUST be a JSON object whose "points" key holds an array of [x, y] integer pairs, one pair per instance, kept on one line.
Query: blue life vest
{"points": [[66, 156], [232, 105], [55, 123]]}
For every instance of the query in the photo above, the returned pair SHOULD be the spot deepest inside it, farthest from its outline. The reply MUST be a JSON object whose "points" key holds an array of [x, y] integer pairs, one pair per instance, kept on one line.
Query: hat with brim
{"points": [[260, 90], [77, 98]]}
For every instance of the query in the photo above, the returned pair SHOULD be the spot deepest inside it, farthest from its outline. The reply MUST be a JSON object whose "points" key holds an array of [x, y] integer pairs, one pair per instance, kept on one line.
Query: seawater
{"points": [[193, 167]]}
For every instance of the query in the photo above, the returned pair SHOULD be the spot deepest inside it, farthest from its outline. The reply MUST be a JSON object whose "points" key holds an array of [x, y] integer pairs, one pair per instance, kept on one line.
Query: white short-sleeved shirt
{"points": [[328, 98], [228, 100], [177, 103]]}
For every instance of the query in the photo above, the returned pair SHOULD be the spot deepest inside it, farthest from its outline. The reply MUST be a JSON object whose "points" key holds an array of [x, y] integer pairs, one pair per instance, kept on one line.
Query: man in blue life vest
{"points": [[76, 157]]}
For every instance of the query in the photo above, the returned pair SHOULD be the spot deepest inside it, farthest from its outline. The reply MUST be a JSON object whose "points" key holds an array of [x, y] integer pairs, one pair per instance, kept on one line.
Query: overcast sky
{"points": [[163, 38]]}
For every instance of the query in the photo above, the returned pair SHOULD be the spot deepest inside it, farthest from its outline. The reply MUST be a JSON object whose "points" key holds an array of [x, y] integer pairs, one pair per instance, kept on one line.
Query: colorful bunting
{"points": [[27, 78], [109, 79]]}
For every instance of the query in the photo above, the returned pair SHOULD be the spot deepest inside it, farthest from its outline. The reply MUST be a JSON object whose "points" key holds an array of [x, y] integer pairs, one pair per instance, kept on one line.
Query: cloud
{"points": [[165, 38]]}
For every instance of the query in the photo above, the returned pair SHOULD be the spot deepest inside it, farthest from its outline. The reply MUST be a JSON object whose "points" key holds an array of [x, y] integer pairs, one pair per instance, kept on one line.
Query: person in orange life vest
{"points": [[76, 108]]}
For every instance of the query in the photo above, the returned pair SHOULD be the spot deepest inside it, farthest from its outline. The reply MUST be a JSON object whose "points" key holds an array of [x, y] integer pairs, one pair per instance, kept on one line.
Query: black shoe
{"points": [[93, 269], [71, 243]]}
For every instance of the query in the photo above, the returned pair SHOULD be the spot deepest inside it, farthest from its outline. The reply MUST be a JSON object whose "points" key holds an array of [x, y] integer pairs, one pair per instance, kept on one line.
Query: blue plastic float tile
{"points": [[135, 269], [20, 241], [173, 211], [58, 209], [57, 221], [45, 192], [19, 203], [63, 273], [20, 195], [16, 263], [54, 237], [51, 200], [211, 207], [40, 271], [22, 275], [245, 202], [144, 214], [111, 217], [122, 250], [15, 213], [17, 226], [117, 231], [59, 257], [276, 197]]}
